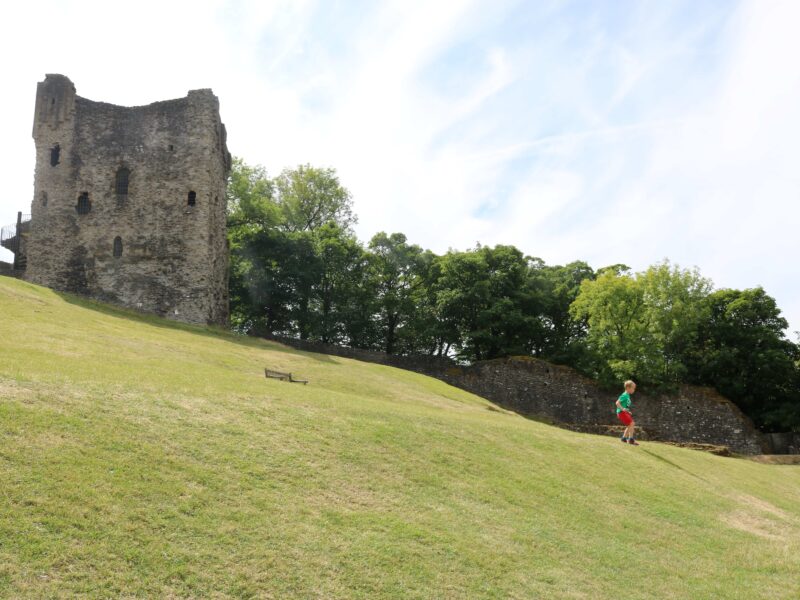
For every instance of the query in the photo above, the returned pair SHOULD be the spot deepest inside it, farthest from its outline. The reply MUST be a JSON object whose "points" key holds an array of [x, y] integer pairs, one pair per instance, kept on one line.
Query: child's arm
{"points": [[620, 405]]}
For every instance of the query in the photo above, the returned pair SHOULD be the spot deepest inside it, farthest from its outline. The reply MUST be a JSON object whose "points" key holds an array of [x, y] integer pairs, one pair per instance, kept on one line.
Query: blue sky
{"points": [[610, 132]]}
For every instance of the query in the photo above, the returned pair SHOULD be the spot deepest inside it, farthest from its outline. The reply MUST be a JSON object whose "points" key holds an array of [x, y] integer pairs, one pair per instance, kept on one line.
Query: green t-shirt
{"points": [[625, 402]]}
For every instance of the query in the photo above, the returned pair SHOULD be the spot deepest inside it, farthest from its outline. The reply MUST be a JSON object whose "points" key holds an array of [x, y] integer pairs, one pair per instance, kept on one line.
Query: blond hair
{"points": [[630, 383]]}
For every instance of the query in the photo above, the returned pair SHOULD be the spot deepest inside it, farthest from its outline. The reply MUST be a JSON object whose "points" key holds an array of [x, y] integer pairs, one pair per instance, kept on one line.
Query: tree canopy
{"points": [[298, 270]]}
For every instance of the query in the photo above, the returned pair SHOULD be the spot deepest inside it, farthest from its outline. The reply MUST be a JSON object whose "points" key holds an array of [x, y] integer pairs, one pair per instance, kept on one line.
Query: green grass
{"points": [[141, 458]]}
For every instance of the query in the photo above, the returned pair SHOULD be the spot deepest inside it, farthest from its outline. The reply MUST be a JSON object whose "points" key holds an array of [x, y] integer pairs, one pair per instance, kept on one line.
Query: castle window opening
{"points": [[171, 147], [117, 247], [44, 198], [84, 206], [55, 155], [192, 199], [123, 175]]}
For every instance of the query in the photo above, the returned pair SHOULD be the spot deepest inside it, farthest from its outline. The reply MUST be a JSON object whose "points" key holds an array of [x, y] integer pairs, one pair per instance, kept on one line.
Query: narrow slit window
{"points": [[117, 247], [123, 176], [192, 199], [55, 155], [44, 198], [84, 205]]}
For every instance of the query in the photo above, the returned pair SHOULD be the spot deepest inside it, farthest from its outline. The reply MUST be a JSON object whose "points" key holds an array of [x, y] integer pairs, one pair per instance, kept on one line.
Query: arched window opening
{"points": [[44, 198], [123, 175], [117, 247], [84, 205], [55, 155], [192, 199]]}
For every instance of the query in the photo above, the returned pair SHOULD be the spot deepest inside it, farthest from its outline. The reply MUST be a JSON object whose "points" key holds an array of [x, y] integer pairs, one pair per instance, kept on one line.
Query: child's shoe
{"points": [[633, 442], [623, 439]]}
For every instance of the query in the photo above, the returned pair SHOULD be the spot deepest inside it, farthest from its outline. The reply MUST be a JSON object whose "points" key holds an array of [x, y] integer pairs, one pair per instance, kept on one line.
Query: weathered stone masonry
{"points": [[561, 395], [129, 203]]}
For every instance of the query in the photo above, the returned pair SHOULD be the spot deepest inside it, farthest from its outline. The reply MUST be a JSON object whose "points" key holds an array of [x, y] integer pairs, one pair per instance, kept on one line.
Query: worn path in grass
{"points": [[141, 458]]}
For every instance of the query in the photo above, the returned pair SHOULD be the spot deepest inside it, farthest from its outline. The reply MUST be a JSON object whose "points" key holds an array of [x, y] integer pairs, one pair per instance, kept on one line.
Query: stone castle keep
{"points": [[129, 203]]}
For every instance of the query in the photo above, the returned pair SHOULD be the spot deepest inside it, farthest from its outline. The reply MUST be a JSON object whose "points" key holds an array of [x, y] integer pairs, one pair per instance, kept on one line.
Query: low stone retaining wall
{"points": [[560, 395], [783, 443]]}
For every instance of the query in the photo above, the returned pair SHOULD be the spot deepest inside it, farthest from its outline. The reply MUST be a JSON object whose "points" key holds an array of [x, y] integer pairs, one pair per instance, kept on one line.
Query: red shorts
{"points": [[625, 417]]}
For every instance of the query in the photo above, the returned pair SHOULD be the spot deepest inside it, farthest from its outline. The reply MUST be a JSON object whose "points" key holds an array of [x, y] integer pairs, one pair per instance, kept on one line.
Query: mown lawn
{"points": [[141, 458]]}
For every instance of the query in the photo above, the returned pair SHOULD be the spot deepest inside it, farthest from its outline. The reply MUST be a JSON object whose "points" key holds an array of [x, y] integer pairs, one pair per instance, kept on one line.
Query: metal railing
{"points": [[11, 235], [7, 233]]}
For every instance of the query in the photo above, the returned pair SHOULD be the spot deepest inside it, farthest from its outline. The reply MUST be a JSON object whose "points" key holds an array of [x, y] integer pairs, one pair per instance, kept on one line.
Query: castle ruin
{"points": [[129, 204]]}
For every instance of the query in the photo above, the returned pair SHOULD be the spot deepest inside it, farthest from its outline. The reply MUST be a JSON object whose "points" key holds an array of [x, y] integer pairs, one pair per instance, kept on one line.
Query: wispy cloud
{"points": [[609, 132]]}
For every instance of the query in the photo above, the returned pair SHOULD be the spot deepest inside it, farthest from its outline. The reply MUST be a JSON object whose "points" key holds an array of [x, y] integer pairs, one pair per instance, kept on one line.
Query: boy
{"points": [[624, 413]]}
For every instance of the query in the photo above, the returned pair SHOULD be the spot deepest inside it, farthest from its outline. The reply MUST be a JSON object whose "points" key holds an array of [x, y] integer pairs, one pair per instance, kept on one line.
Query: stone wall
{"points": [[784, 443], [560, 395], [149, 248]]}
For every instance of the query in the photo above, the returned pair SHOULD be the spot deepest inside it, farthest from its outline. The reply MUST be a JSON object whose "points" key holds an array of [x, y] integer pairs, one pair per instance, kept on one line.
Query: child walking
{"points": [[624, 413]]}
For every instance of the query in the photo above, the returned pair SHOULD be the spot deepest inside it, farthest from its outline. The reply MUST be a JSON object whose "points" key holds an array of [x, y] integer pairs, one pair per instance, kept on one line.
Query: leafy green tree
{"points": [[342, 269], [481, 294], [395, 269], [288, 240], [297, 269], [253, 216], [309, 197], [559, 336], [742, 350], [674, 304], [426, 331], [613, 306], [251, 197], [640, 326]]}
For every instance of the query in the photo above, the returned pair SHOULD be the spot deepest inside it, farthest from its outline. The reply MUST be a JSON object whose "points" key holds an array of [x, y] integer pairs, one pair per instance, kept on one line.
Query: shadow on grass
{"points": [[672, 464], [212, 331]]}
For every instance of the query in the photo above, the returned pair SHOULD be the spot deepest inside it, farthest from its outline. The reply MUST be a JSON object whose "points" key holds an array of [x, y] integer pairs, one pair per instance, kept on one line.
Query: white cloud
{"points": [[571, 136]]}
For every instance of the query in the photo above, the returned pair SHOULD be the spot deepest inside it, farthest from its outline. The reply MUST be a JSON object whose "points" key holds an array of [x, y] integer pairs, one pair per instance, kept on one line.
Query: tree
{"points": [[640, 326], [742, 350], [613, 306], [673, 299], [426, 331], [309, 197], [252, 219], [289, 239], [251, 197], [559, 336], [342, 268], [395, 269], [481, 295]]}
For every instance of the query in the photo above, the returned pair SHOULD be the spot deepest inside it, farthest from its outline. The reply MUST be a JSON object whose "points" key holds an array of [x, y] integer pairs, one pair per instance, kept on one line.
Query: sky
{"points": [[612, 131]]}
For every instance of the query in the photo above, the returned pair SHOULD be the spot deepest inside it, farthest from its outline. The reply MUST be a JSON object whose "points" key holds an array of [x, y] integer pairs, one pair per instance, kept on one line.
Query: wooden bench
{"points": [[270, 374]]}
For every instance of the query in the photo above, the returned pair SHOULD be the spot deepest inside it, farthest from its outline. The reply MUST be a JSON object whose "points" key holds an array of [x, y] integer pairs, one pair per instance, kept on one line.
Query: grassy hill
{"points": [[142, 458]]}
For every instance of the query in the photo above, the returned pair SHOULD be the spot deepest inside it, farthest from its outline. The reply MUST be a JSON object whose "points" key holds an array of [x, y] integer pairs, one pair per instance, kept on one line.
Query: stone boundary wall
{"points": [[7, 270], [428, 365], [784, 443], [560, 395]]}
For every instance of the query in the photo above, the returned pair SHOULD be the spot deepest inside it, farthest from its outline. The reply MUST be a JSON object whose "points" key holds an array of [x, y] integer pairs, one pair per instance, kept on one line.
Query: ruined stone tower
{"points": [[129, 203]]}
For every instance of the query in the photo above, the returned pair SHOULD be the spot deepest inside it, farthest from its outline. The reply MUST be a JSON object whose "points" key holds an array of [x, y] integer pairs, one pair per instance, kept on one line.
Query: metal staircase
{"points": [[12, 238]]}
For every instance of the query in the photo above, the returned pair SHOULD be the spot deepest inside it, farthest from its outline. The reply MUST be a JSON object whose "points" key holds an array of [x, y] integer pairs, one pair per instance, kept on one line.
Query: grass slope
{"points": [[141, 458]]}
